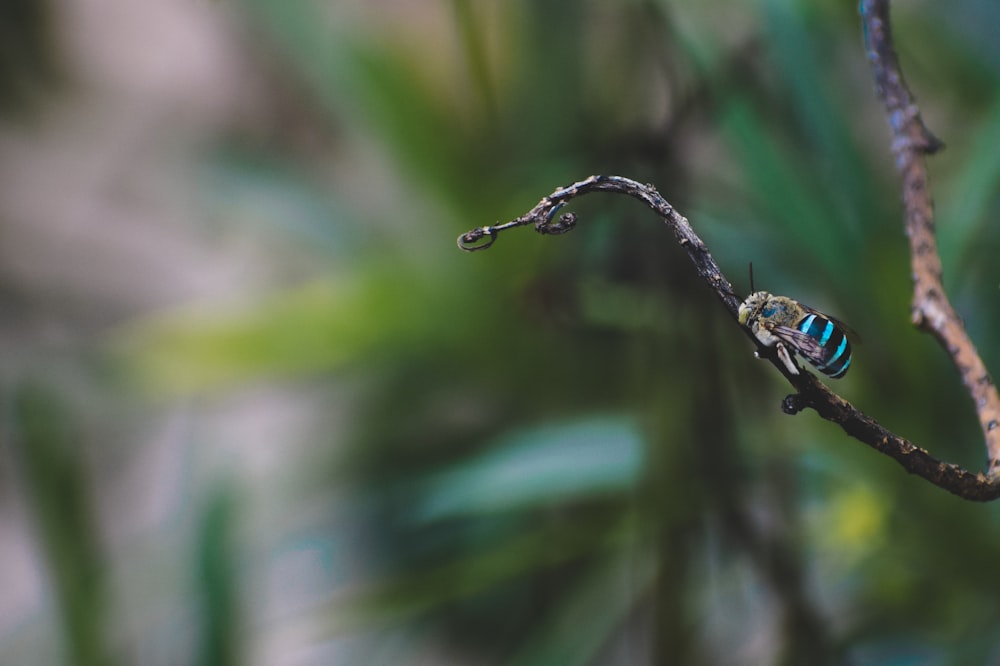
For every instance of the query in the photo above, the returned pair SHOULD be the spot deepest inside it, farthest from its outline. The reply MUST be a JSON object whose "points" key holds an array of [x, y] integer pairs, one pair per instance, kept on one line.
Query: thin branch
{"points": [[543, 217], [811, 392], [931, 310]]}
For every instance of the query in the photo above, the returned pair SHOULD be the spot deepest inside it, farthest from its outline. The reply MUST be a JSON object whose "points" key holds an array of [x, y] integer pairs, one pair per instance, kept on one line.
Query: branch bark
{"points": [[931, 309]]}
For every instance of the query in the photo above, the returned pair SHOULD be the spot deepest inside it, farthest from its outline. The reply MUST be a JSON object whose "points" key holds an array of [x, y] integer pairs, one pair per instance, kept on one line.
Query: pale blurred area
{"points": [[106, 218]]}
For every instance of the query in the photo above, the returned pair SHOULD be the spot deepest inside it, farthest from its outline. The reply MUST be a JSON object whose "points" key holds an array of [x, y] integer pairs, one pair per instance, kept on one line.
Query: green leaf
{"points": [[539, 466]]}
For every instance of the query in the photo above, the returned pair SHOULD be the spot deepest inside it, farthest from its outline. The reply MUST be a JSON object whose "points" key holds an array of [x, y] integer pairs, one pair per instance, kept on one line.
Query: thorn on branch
{"points": [[793, 404]]}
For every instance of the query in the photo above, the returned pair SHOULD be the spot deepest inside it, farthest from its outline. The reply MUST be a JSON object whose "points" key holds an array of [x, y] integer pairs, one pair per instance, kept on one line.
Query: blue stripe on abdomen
{"points": [[827, 335], [840, 373], [817, 327], [840, 360], [840, 351], [806, 325]]}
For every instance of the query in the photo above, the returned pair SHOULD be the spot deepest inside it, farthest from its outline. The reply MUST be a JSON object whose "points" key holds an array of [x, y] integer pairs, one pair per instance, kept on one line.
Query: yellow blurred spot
{"points": [[854, 521]]}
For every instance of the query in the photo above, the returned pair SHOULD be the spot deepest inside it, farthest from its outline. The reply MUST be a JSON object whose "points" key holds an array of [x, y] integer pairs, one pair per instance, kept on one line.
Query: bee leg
{"points": [[786, 358]]}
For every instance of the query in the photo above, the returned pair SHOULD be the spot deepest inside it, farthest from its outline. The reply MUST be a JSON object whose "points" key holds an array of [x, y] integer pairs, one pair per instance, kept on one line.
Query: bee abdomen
{"points": [[836, 350]]}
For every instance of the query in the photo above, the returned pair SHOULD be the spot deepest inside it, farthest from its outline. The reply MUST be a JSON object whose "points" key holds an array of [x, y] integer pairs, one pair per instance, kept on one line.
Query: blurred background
{"points": [[259, 409]]}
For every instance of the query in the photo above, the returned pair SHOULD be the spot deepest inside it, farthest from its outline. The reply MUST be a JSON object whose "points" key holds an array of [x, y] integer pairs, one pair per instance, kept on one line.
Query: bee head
{"points": [[751, 307]]}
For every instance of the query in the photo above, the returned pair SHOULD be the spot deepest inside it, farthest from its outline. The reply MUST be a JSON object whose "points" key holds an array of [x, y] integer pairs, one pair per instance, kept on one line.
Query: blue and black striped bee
{"points": [[790, 326]]}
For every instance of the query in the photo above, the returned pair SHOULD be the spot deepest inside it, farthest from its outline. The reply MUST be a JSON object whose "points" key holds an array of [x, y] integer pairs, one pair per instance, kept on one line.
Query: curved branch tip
{"points": [[470, 241]]}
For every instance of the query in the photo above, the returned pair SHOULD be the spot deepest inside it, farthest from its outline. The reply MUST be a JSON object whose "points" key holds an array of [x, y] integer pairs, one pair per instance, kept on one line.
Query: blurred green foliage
{"points": [[56, 487], [29, 55], [218, 578], [561, 451]]}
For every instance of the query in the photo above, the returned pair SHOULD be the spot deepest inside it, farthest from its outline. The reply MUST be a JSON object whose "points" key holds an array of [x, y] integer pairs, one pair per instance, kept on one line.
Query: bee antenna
{"points": [[751, 278]]}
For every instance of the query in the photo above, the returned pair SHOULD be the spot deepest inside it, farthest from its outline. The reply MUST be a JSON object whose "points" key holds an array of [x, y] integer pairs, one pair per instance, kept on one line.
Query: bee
{"points": [[790, 326]]}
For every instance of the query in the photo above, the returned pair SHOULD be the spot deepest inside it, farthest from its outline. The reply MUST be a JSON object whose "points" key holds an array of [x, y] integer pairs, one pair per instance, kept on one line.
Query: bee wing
{"points": [[804, 344], [852, 335]]}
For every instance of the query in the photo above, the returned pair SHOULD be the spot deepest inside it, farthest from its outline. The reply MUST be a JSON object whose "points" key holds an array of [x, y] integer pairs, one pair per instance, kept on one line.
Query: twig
{"points": [[811, 392], [931, 310], [543, 217]]}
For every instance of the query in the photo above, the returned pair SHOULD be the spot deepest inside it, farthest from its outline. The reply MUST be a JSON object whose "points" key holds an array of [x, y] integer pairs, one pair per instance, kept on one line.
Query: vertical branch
{"points": [[931, 310]]}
